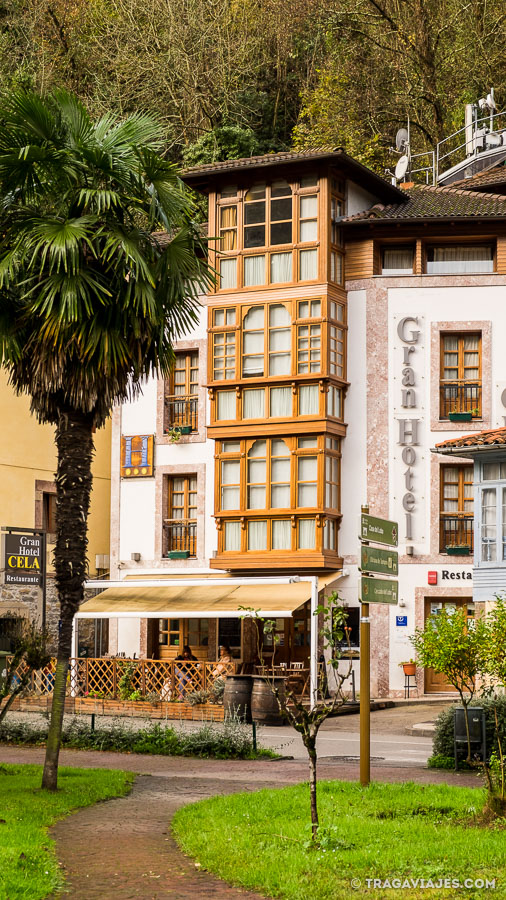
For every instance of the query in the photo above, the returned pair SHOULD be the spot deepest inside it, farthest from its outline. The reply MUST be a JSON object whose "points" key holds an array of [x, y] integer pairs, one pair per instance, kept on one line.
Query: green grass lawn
{"points": [[28, 864], [384, 831]]}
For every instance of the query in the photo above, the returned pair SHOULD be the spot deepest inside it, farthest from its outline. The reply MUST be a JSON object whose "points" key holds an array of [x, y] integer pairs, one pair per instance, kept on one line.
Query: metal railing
{"points": [[456, 531], [181, 412], [460, 397], [180, 535]]}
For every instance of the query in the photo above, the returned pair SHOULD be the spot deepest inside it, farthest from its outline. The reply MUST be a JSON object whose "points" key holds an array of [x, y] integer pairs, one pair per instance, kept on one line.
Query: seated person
{"points": [[184, 673], [222, 667]]}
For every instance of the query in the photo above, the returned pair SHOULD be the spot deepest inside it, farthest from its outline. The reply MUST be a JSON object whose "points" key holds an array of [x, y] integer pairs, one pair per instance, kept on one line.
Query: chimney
{"points": [[406, 185]]}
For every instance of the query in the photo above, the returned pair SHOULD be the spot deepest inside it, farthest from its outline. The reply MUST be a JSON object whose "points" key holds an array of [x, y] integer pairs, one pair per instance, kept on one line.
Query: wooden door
{"points": [[436, 683]]}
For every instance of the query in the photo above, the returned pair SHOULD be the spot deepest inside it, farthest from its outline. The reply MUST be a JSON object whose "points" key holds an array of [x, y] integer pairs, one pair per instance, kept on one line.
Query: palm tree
{"points": [[101, 264]]}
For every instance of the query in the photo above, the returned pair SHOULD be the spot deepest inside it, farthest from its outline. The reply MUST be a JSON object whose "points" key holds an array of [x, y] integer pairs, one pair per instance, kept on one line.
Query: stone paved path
{"points": [[123, 849]]}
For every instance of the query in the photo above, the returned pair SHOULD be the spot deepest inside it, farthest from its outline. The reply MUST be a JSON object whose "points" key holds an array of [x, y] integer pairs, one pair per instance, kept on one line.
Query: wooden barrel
{"points": [[264, 704], [237, 696]]}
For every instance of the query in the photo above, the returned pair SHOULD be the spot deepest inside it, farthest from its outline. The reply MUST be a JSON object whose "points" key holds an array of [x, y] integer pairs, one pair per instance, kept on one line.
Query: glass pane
{"points": [[230, 498], [225, 406], [219, 314], [254, 236], [281, 233], [256, 497], [281, 402], [309, 230], [258, 449], [307, 443], [257, 536], [230, 471], [307, 534], [307, 468], [491, 471], [280, 496], [257, 192], [280, 189], [308, 400], [281, 209], [280, 469], [228, 273], [254, 213], [450, 259], [230, 316], [397, 260], [253, 404], [309, 206], [281, 534], [308, 265], [233, 536], [281, 267], [279, 448], [230, 447], [309, 181], [306, 495], [254, 270]]}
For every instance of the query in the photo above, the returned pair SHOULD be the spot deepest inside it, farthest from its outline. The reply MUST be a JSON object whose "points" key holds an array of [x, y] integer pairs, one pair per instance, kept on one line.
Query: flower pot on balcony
{"points": [[186, 429], [178, 554], [460, 417], [458, 550]]}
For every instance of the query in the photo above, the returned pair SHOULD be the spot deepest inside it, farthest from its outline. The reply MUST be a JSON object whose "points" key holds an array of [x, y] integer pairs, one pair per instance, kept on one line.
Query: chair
{"points": [[297, 665]]}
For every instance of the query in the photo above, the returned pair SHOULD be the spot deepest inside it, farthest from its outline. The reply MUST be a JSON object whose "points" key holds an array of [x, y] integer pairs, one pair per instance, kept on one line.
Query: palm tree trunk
{"points": [[74, 443]]}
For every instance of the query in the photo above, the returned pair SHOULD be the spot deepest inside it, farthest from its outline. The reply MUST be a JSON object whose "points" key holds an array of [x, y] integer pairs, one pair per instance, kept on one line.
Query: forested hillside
{"points": [[236, 77]]}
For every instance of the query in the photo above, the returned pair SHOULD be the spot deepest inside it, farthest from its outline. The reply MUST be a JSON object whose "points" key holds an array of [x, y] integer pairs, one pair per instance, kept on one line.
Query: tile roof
{"points": [[482, 439], [267, 159], [380, 187], [482, 180], [427, 202]]}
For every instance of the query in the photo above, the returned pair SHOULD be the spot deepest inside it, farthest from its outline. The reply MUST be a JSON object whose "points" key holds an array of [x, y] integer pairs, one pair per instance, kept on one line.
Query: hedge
{"points": [[443, 737]]}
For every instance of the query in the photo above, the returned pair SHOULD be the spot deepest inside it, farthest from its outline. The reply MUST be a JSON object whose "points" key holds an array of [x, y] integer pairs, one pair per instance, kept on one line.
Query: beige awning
{"points": [[205, 600]]}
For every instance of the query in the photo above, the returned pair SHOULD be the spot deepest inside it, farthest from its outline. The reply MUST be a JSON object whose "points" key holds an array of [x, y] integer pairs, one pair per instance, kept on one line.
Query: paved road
{"points": [[338, 737]]}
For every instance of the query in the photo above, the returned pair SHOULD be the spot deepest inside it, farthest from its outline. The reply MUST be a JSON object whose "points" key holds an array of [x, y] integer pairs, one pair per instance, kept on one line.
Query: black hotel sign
{"points": [[24, 562]]}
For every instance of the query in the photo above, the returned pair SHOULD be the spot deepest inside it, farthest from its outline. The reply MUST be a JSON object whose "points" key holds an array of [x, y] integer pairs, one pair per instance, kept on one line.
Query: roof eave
{"points": [[200, 181], [469, 451], [413, 220]]}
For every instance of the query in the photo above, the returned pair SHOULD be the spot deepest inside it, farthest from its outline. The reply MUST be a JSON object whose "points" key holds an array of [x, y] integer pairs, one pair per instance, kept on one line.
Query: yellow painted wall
{"points": [[28, 454]]}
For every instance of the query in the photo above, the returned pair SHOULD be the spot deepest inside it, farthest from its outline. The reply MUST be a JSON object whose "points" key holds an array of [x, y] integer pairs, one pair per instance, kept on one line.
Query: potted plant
{"points": [[458, 549], [455, 416], [409, 667], [174, 433]]}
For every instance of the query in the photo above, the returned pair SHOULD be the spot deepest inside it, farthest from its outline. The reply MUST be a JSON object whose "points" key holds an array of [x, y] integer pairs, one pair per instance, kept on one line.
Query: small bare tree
{"points": [[29, 653], [330, 694]]}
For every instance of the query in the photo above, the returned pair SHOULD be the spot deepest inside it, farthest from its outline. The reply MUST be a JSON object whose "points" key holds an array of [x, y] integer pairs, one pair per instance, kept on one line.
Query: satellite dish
{"points": [[401, 167], [401, 138]]}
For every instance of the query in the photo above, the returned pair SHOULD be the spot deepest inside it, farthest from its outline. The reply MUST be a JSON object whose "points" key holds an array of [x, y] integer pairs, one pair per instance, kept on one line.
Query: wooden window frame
{"points": [[186, 520], [463, 401], [461, 529], [294, 246]]}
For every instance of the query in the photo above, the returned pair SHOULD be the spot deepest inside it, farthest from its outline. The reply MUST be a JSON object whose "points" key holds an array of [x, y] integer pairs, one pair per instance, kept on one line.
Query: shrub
{"points": [[194, 698], [228, 741], [441, 762], [443, 737]]}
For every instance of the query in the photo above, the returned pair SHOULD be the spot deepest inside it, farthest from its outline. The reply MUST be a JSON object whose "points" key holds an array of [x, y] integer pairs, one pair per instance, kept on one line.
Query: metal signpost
{"points": [[374, 561]]}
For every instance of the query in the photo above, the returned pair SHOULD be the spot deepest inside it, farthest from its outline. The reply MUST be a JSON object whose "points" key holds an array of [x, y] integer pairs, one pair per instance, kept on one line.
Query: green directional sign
{"points": [[379, 590], [384, 562], [381, 531]]}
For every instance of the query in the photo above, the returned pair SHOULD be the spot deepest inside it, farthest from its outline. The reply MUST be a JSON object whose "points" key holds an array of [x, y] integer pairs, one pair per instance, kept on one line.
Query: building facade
{"points": [[353, 326], [28, 500]]}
